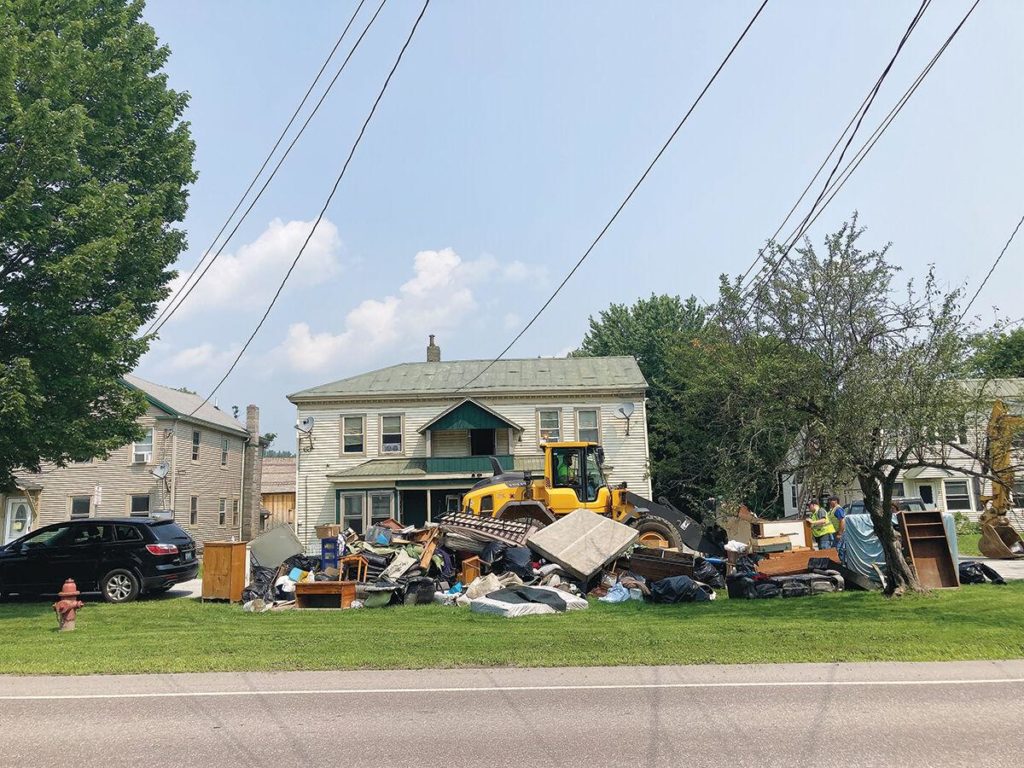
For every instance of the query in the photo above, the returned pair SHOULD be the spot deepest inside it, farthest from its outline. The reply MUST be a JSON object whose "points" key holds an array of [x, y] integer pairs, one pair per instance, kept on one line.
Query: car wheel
{"points": [[120, 586]]}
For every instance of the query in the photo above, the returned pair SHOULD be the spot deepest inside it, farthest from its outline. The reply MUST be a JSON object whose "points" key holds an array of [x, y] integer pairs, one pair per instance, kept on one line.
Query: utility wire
{"points": [[625, 201], [868, 145], [266, 160], [757, 283], [323, 210], [992, 269], [182, 296]]}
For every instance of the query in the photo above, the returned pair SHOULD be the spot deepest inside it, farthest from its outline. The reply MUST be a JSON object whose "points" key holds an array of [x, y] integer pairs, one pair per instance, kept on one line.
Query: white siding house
{"points": [[955, 489], [409, 440]]}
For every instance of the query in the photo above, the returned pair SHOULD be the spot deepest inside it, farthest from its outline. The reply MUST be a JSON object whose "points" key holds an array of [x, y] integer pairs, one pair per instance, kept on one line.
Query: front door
{"points": [[18, 520]]}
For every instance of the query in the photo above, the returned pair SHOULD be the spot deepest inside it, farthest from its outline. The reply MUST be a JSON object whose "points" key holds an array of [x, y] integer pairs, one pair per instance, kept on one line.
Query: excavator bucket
{"points": [[693, 533], [1000, 542]]}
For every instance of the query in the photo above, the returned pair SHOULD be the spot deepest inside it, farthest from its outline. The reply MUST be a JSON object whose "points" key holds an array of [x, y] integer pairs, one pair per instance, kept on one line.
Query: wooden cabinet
{"points": [[225, 566], [924, 539]]}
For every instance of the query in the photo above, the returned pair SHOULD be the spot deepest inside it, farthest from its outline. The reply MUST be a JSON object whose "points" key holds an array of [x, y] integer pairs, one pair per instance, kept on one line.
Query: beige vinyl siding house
{"points": [[406, 442], [204, 455]]}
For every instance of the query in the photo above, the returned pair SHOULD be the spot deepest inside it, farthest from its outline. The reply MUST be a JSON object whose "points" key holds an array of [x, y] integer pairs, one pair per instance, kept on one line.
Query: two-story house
{"points": [[188, 462], [408, 441]]}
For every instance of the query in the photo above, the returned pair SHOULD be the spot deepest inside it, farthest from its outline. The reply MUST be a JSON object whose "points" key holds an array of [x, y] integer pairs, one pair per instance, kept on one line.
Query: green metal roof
{"points": [[469, 414], [541, 374]]}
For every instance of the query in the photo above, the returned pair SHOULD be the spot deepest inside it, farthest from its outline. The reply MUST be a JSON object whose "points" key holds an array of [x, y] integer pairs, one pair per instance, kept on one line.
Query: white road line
{"points": [[506, 688]]}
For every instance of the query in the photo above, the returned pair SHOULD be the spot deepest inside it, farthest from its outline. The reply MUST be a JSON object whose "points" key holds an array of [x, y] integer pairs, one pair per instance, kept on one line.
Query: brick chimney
{"points": [[253, 478], [433, 351]]}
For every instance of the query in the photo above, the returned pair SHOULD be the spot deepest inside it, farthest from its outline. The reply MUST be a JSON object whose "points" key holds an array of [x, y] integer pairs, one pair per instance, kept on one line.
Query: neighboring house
{"points": [[206, 456], [955, 490], [408, 441], [277, 491]]}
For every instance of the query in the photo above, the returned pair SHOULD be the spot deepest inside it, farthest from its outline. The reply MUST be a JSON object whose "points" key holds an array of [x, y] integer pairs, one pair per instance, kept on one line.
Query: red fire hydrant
{"points": [[67, 607]]}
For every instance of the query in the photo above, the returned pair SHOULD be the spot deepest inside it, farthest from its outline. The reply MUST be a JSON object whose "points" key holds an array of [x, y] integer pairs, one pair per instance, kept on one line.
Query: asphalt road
{"points": [[792, 715]]}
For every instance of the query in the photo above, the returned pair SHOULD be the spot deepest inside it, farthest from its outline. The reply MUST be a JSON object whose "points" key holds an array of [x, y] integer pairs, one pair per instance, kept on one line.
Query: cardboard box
{"points": [[328, 531], [771, 544]]}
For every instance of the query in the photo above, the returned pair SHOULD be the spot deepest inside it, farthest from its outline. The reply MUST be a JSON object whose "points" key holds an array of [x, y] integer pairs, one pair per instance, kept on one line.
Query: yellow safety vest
{"points": [[821, 526]]}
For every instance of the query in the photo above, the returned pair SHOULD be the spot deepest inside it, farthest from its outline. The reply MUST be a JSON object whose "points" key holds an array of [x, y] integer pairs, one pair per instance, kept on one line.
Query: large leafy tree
{"points": [[999, 354], [871, 375], [94, 164], [650, 330]]}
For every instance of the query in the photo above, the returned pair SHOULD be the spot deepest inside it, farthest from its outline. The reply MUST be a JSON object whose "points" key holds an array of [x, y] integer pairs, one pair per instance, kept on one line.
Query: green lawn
{"points": [[180, 635], [968, 544]]}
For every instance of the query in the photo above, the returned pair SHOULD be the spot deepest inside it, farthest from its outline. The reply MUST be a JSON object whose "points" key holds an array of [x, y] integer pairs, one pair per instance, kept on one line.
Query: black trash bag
{"points": [[707, 573], [679, 589], [261, 585], [821, 564], [303, 563], [973, 572], [766, 588], [448, 563], [745, 563], [519, 560], [796, 588], [419, 590], [740, 586], [492, 559]]}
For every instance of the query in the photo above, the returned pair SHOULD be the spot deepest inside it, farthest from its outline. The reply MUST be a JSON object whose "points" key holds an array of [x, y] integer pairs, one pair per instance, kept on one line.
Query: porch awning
{"points": [[927, 473], [468, 414]]}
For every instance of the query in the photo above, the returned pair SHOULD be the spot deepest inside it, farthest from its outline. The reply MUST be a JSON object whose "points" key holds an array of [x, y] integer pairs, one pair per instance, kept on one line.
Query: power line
{"points": [[773, 269], [625, 201], [266, 160], [273, 173], [992, 268], [883, 126], [323, 210]]}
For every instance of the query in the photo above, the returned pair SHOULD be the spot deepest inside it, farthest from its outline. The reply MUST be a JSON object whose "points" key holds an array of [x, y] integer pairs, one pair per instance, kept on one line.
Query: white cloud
{"points": [[255, 269], [202, 357], [436, 298]]}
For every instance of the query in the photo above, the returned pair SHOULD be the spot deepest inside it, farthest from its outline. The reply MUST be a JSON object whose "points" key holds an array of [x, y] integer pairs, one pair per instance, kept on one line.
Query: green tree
{"points": [[650, 331], [999, 354], [866, 369], [94, 164]]}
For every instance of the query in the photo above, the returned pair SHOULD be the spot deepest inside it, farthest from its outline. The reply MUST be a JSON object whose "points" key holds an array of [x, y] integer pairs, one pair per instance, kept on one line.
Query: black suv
{"points": [[120, 558]]}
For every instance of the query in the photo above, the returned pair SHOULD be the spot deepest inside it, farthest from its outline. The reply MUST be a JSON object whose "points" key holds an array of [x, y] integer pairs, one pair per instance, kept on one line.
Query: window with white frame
{"points": [[197, 438], [549, 425], [898, 490], [452, 502], [139, 505], [391, 434], [588, 428], [223, 451], [352, 511], [234, 513], [381, 505], [222, 512], [193, 510], [354, 437], [142, 450], [958, 496], [81, 507]]}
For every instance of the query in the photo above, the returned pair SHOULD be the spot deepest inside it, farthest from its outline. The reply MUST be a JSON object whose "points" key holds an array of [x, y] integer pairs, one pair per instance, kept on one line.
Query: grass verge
{"points": [[967, 543], [183, 635]]}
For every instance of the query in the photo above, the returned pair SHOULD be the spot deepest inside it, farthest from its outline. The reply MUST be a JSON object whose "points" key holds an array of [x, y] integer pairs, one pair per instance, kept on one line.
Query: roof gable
{"points": [[468, 414]]}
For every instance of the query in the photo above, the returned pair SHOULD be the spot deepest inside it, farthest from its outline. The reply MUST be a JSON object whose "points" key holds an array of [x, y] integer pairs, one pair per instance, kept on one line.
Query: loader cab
{"points": [[575, 478]]}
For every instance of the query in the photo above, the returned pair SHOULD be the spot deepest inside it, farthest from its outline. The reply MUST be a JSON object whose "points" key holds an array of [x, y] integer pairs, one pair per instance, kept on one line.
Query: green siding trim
{"points": [[454, 464], [469, 415]]}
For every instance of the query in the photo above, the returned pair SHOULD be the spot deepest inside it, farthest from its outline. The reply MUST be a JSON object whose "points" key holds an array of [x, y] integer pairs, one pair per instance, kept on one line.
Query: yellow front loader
{"points": [[573, 479]]}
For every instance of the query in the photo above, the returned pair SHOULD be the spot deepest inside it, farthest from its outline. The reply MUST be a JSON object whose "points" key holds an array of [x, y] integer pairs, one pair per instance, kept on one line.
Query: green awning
{"points": [[469, 414]]}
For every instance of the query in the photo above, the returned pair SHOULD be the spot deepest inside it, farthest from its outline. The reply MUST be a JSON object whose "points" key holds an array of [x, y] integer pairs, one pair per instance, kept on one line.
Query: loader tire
{"points": [[658, 532], [527, 511]]}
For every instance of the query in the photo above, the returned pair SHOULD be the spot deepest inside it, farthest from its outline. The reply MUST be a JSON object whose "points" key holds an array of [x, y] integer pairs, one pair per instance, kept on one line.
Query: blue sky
{"points": [[510, 134]]}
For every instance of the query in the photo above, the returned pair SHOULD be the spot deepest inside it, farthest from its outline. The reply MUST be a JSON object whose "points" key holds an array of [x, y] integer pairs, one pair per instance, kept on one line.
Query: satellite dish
{"points": [[160, 470], [626, 409], [305, 426]]}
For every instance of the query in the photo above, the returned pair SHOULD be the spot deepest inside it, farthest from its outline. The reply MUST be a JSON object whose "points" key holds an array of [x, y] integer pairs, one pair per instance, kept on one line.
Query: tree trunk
{"points": [[900, 575]]}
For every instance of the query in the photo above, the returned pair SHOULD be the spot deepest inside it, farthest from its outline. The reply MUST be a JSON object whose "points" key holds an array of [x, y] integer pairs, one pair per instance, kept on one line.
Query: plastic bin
{"points": [[330, 552]]}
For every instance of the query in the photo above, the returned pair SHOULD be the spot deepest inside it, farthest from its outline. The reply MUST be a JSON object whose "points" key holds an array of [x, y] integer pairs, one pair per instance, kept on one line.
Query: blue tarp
{"points": [[861, 548]]}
